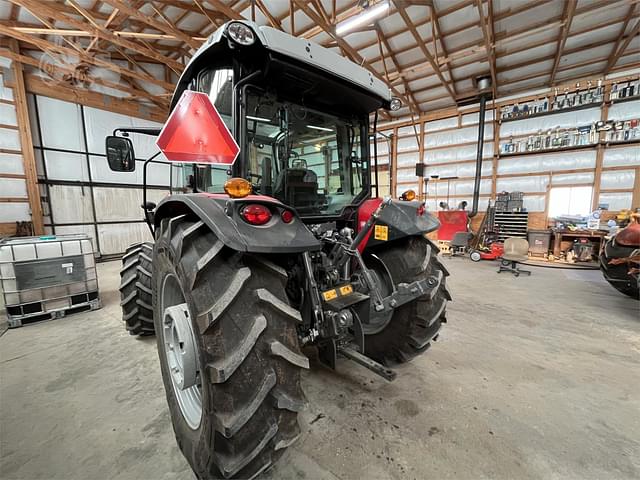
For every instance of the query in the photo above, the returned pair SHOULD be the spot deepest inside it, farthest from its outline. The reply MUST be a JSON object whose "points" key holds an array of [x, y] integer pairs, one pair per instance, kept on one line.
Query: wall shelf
{"points": [[548, 150], [585, 106], [623, 100], [620, 142]]}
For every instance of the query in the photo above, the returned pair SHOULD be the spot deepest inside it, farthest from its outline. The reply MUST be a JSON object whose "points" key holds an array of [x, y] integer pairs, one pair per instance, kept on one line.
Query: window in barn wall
{"points": [[570, 201]]}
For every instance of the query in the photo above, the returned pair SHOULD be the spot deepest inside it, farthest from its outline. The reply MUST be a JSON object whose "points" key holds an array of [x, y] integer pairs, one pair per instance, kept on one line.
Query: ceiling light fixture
{"points": [[324, 129], [364, 18]]}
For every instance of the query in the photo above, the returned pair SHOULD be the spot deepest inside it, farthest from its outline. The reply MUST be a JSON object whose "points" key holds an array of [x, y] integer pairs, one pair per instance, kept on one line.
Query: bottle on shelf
{"points": [[555, 143], [593, 134], [554, 104], [537, 142], [547, 140], [599, 95], [614, 92]]}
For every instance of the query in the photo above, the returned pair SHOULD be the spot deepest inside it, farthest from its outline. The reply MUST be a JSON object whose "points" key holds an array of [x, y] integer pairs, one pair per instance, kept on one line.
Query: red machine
{"points": [[452, 222], [495, 251]]}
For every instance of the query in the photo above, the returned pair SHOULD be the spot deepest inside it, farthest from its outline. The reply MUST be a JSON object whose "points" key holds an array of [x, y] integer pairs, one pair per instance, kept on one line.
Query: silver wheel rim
{"points": [[181, 352]]}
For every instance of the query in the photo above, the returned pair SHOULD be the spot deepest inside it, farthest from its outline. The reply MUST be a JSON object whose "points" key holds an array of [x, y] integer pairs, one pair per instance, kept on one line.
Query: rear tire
{"points": [[414, 325], [248, 356], [618, 275], [135, 289]]}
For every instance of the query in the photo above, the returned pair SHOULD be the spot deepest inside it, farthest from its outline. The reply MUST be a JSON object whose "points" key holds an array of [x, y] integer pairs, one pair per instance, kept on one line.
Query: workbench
{"points": [[596, 236]]}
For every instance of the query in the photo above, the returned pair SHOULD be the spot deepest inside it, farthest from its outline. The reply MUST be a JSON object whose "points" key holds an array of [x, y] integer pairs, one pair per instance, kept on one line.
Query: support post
{"points": [[26, 142]]}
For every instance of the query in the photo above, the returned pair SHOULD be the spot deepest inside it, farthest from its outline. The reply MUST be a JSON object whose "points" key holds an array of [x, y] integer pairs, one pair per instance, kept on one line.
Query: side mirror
{"points": [[120, 154]]}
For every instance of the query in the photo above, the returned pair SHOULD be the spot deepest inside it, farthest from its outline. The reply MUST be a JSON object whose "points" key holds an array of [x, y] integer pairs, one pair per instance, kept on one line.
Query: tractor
{"points": [[281, 246]]}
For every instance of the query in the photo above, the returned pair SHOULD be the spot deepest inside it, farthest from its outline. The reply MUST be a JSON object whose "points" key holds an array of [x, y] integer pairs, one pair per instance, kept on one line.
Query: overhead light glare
{"points": [[363, 18], [258, 119], [323, 129]]}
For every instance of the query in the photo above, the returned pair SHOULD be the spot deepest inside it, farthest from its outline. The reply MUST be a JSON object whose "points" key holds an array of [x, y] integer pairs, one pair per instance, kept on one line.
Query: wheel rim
{"points": [[181, 351]]}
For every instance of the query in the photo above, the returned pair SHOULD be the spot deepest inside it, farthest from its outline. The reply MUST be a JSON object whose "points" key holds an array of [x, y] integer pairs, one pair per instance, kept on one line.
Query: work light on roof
{"points": [[396, 104], [241, 33]]}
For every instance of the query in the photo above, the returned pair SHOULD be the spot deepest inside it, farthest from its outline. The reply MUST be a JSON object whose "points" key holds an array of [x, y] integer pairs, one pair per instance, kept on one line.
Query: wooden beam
{"points": [[616, 56], [635, 196], [413, 105], [620, 36], [60, 70], [489, 42], [275, 23], [62, 32], [227, 11], [35, 84], [436, 34], [47, 47], [421, 44], [567, 18], [101, 32], [26, 142], [351, 52], [165, 27]]}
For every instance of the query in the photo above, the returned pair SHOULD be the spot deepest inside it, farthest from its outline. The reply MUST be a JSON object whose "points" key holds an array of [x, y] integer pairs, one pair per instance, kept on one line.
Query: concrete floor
{"points": [[533, 377]]}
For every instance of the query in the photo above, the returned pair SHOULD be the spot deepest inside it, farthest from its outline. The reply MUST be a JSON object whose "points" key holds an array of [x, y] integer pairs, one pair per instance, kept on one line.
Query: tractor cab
{"points": [[299, 114]]}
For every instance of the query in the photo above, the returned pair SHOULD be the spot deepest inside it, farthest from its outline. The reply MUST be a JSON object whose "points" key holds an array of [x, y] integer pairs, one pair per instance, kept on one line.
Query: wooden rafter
{"points": [[88, 31], [101, 32], [486, 23], [420, 41], [567, 19], [166, 26], [623, 42], [275, 23], [413, 105], [348, 49], [47, 47]]}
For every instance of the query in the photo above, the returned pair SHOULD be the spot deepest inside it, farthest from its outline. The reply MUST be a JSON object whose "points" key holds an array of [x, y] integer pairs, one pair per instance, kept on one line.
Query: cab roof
{"points": [[298, 49]]}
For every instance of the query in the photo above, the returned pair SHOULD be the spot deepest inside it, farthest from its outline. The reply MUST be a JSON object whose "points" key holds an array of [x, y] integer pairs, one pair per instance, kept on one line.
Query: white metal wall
{"points": [[79, 192]]}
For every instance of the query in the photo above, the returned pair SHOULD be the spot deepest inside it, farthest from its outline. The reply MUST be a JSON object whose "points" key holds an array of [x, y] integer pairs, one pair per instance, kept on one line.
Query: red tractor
{"points": [[280, 249]]}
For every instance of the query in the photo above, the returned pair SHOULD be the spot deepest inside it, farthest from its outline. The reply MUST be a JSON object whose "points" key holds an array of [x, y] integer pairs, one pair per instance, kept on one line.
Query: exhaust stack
{"points": [[484, 89]]}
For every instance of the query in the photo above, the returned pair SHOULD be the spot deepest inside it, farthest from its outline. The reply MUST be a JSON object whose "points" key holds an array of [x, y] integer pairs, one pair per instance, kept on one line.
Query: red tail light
{"points": [[287, 216], [256, 214]]}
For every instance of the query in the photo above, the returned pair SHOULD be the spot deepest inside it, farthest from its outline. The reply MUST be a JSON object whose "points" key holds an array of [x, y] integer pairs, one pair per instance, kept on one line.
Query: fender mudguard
{"points": [[222, 215], [402, 219]]}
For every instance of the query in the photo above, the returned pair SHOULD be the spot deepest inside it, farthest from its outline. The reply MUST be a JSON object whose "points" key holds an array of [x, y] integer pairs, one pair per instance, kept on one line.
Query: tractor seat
{"points": [[297, 187]]}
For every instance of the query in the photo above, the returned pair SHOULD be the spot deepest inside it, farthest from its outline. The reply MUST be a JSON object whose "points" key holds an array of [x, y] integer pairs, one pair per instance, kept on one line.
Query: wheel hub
{"points": [[181, 349]]}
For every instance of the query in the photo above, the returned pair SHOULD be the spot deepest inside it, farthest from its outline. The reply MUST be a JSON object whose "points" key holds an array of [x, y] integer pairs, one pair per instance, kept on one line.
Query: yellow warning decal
{"points": [[346, 290], [329, 295], [381, 232]]}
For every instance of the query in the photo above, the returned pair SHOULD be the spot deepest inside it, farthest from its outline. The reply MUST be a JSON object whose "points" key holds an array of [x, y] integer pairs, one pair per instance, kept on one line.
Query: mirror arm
{"points": [[142, 130], [144, 193]]}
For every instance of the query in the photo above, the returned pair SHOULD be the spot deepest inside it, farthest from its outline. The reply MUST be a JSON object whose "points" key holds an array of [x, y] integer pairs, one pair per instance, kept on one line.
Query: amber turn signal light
{"points": [[237, 187], [408, 196]]}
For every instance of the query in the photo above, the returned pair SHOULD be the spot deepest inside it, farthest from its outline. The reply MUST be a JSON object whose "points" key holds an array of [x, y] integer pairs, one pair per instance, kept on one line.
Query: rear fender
{"points": [[222, 215], [401, 219]]}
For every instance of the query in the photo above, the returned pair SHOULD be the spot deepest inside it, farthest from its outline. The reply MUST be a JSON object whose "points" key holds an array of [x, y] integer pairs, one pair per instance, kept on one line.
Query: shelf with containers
{"points": [[447, 136]]}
